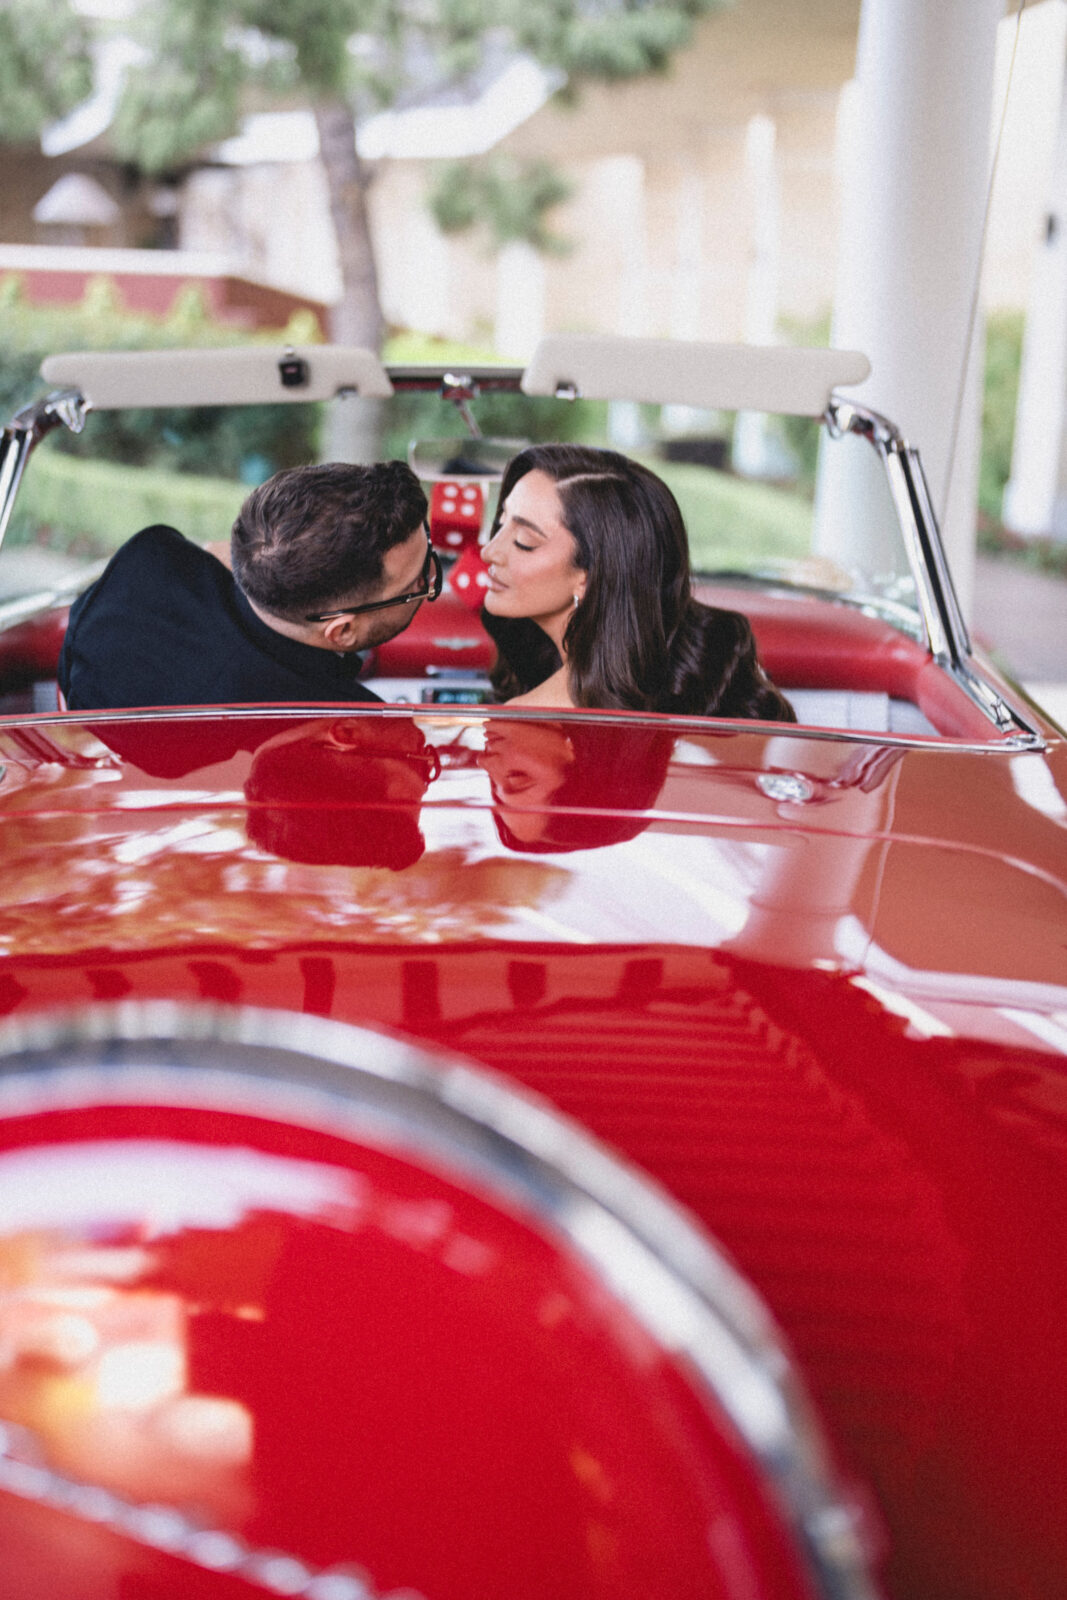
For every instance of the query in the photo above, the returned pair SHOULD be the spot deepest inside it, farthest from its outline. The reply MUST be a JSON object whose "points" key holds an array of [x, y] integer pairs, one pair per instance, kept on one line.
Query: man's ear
{"points": [[342, 633]]}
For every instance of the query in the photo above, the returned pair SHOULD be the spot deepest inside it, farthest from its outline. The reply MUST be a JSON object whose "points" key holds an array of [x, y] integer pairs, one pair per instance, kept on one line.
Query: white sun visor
{"points": [[716, 377], [241, 376]]}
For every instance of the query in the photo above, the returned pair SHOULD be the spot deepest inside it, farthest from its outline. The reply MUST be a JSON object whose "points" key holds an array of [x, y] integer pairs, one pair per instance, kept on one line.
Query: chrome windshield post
{"points": [[945, 630], [943, 624], [65, 408], [930, 534]]}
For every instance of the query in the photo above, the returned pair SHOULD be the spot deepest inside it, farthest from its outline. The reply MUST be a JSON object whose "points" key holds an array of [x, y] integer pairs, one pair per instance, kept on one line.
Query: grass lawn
{"points": [[733, 522]]}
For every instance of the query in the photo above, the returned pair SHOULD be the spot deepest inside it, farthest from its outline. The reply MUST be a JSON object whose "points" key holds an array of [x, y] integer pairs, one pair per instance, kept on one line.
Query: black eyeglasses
{"points": [[430, 581]]}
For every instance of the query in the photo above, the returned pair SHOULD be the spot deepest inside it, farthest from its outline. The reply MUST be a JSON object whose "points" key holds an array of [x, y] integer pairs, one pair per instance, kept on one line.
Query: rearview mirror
{"points": [[435, 459]]}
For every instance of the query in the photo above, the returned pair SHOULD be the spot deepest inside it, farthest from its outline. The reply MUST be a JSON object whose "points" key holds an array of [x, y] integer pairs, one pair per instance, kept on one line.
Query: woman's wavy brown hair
{"points": [[639, 641]]}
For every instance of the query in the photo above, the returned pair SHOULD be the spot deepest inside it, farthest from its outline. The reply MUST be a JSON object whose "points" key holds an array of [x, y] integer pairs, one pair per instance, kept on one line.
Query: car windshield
{"points": [[759, 500]]}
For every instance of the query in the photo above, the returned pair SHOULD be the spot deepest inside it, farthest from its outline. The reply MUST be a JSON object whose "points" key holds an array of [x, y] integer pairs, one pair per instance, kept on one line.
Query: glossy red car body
{"points": [[812, 983]]}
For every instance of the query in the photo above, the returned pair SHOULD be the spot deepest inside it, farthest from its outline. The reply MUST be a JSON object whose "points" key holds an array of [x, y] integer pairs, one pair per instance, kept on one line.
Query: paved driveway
{"points": [[1022, 617]]}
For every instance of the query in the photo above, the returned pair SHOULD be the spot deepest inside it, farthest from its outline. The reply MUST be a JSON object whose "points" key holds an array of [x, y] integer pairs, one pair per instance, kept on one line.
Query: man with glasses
{"points": [[327, 561]]}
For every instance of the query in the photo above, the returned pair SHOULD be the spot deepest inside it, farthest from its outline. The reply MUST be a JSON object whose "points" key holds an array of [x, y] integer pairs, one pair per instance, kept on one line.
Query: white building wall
{"points": [[274, 217]]}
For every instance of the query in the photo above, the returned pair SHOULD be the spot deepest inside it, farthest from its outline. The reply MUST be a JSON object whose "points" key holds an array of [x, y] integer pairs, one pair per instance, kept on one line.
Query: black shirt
{"points": [[166, 625]]}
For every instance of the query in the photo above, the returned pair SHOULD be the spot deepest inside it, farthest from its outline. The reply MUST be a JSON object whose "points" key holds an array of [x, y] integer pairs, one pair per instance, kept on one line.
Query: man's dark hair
{"points": [[312, 538]]}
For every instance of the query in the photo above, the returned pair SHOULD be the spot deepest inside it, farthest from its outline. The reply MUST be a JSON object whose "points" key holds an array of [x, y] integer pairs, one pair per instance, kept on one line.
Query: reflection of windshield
{"points": [[761, 496]]}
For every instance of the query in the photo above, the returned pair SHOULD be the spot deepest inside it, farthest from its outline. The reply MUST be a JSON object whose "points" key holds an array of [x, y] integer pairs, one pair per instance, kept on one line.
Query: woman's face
{"points": [[531, 559]]}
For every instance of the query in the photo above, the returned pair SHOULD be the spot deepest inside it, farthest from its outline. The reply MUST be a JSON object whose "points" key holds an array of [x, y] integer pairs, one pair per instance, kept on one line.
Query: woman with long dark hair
{"points": [[590, 602]]}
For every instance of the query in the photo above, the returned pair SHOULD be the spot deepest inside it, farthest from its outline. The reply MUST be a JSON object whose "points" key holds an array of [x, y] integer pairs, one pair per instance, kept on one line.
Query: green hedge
{"points": [[92, 507], [1003, 358], [248, 444]]}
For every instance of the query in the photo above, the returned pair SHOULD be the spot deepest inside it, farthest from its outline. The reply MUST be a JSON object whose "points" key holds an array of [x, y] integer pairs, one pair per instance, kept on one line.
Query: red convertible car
{"points": [[455, 1152]]}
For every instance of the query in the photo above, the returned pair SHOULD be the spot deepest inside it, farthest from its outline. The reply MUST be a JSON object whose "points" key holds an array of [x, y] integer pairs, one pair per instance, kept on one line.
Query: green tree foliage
{"points": [[189, 94], [208, 60], [45, 66], [511, 198], [606, 42]]}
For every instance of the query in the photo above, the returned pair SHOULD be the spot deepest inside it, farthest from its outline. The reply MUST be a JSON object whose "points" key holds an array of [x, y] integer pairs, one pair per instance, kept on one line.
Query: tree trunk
{"points": [[357, 318], [353, 426]]}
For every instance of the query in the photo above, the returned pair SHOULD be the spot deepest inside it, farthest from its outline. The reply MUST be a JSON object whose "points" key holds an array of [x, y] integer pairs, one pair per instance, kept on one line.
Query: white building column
{"points": [[687, 287], [1035, 499], [520, 300], [753, 451], [687, 279], [915, 177], [626, 430]]}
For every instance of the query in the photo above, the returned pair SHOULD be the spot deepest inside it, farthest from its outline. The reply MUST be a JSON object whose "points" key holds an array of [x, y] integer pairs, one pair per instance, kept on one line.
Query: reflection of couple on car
{"points": [[347, 791]]}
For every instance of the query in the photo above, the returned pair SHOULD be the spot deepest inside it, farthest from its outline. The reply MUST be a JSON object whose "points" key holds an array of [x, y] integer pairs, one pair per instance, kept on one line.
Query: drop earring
{"points": [[576, 600]]}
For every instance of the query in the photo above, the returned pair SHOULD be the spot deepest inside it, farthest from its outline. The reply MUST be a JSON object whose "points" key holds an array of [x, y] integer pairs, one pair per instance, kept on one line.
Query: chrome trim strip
{"points": [[935, 634], [333, 1076], [15, 450], [842, 417], [1026, 739], [986, 699]]}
